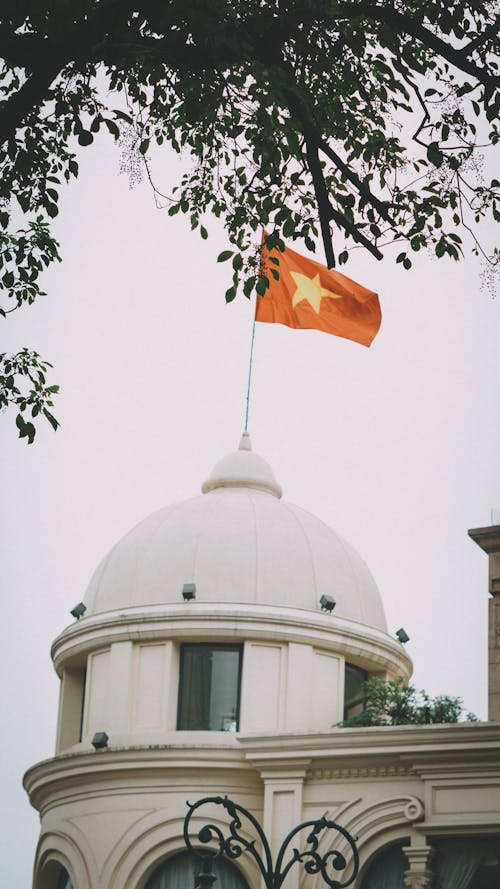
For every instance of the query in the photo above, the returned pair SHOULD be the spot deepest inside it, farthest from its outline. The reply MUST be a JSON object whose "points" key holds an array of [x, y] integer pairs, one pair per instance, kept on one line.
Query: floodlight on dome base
{"points": [[100, 740], [78, 611], [327, 603], [402, 635], [189, 591]]}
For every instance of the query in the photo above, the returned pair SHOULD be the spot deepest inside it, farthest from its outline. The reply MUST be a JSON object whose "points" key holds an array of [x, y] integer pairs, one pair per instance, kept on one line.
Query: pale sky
{"points": [[396, 447]]}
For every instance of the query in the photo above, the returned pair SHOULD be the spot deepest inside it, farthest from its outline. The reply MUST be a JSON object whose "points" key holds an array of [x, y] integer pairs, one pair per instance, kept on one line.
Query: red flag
{"points": [[309, 295]]}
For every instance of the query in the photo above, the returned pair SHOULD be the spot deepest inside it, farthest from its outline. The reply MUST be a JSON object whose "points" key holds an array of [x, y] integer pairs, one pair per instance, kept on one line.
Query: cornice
{"points": [[415, 746], [199, 620], [73, 776], [463, 751], [442, 826], [487, 538]]}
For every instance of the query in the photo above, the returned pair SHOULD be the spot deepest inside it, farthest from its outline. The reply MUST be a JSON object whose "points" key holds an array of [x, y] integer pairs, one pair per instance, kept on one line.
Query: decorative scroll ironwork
{"points": [[231, 843]]}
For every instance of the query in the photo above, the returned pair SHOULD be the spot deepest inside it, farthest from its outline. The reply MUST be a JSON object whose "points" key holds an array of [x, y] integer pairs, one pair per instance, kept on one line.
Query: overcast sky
{"points": [[396, 446]]}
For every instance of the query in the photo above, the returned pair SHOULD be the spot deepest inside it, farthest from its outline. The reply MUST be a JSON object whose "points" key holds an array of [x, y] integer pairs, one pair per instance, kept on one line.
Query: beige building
{"points": [[224, 639]]}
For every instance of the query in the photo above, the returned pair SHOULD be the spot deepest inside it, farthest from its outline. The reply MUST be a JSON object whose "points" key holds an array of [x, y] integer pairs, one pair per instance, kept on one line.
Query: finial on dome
{"points": [[243, 469], [245, 442]]}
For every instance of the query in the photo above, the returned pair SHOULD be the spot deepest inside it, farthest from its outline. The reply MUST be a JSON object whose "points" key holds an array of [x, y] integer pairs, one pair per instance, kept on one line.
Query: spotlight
{"points": [[100, 740], [327, 603], [78, 611], [189, 591], [402, 635]]}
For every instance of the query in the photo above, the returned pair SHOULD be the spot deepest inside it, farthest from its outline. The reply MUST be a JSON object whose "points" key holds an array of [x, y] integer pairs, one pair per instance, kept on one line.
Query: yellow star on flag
{"points": [[311, 290]]}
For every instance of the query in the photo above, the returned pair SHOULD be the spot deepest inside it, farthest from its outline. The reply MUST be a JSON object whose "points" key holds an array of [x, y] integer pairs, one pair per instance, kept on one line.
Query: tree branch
{"points": [[314, 137], [28, 98], [426, 118], [327, 211], [404, 24], [490, 30], [23, 50], [355, 234], [363, 189], [322, 200]]}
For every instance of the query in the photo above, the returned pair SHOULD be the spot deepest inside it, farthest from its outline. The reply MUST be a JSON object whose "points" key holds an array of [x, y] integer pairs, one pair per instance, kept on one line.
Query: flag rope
{"points": [[249, 377]]}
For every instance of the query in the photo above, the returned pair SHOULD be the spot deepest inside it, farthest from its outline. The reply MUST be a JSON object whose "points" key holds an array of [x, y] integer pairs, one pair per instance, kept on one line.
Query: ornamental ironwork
{"points": [[338, 869]]}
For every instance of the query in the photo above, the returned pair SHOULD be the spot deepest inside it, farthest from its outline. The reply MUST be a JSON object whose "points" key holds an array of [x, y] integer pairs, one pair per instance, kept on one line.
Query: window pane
{"points": [[353, 690], [209, 688], [467, 863]]}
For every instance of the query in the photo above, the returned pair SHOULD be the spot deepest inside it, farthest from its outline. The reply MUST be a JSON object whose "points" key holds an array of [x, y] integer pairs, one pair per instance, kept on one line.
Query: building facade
{"points": [[224, 639]]}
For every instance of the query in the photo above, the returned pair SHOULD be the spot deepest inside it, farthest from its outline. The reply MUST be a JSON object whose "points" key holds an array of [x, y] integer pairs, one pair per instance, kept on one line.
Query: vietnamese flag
{"points": [[309, 295]]}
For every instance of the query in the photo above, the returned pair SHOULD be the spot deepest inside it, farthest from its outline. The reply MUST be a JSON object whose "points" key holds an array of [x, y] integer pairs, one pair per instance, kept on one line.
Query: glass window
{"points": [[353, 690], [179, 872], [467, 863], [459, 863], [209, 688]]}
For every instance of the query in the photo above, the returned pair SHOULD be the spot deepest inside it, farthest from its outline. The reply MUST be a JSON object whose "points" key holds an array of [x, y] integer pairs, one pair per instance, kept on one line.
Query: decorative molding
{"points": [[418, 881], [414, 810], [380, 817], [140, 851], [374, 825], [378, 771], [58, 846], [420, 874]]}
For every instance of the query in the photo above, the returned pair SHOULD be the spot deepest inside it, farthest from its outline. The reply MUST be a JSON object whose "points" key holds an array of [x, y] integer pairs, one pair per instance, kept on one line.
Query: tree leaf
{"points": [[225, 255], [434, 155], [85, 138], [52, 420]]}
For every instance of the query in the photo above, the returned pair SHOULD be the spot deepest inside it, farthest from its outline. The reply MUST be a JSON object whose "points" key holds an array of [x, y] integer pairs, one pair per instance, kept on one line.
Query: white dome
{"points": [[239, 543]]}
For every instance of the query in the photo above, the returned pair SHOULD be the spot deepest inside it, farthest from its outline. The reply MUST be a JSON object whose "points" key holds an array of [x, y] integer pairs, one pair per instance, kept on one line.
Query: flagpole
{"points": [[249, 377]]}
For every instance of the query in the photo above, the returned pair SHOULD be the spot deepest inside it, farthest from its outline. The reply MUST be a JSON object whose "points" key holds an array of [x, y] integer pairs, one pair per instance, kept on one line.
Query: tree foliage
{"points": [[393, 702], [360, 122], [23, 384]]}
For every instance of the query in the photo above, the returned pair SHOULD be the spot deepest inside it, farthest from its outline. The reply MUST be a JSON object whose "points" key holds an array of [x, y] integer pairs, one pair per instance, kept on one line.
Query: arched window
{"points": [[387, 870], [179, 872]]}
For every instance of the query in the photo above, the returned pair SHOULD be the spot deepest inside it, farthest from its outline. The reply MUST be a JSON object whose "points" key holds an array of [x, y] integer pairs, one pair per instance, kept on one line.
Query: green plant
{"points": [[394, 702]]}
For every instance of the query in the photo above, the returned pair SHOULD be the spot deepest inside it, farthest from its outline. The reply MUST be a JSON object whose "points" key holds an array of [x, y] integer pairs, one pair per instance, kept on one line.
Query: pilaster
{"points": [[119, 684], [283, 791]]}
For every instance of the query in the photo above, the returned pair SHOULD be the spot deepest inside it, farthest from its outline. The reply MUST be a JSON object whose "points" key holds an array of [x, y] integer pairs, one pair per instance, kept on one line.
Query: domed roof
{"points": [[239, 543]]}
